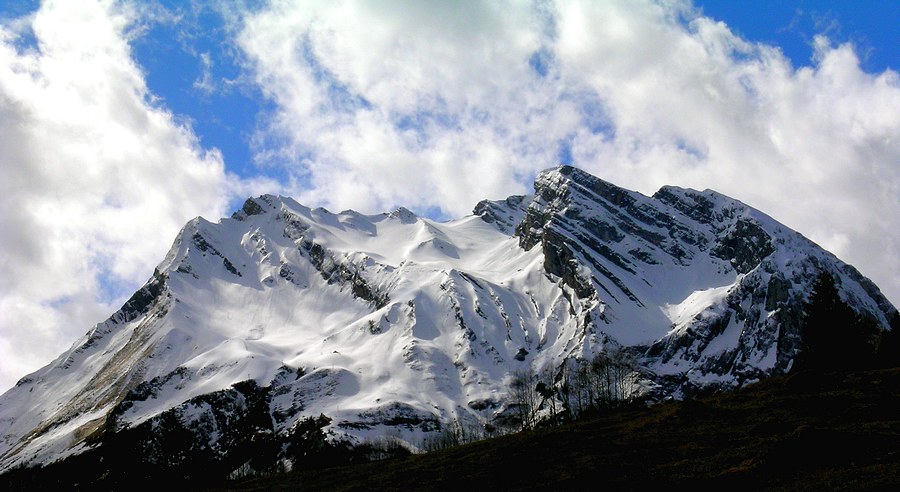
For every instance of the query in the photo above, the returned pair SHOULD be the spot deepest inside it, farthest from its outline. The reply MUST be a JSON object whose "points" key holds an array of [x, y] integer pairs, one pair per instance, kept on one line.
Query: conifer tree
{"points": [[834, 336], [889, 344]]}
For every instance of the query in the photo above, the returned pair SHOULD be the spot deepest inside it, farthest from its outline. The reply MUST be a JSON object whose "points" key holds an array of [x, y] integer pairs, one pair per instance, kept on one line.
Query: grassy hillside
{"points": [[801, 431]]}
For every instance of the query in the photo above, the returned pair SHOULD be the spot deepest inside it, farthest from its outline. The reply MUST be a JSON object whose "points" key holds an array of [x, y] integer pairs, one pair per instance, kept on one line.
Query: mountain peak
{"points": [[259, 205], [561, 184], [565, 170], [405, 215]]}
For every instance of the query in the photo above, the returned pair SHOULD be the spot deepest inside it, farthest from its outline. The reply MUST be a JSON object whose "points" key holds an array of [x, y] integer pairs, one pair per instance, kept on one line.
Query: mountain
{"points": [[261, 329]]}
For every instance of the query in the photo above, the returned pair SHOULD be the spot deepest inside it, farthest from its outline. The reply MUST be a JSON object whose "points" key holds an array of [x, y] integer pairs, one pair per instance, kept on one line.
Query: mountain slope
{"points": [[396, 324]]}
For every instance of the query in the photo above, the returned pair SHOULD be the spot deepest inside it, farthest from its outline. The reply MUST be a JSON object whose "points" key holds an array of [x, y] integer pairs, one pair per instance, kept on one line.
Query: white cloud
{"points": [[440, 104], [95, 178], [204, 82], [371, 96]]}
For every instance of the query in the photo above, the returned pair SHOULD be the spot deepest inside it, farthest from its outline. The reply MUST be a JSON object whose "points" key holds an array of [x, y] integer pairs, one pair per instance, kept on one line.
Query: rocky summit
{"points": [[284, 320]]}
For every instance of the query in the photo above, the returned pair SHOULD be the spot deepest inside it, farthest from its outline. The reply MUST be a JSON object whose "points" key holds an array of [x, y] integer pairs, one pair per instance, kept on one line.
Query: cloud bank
{"points": [[437, 105], [95, 177]]}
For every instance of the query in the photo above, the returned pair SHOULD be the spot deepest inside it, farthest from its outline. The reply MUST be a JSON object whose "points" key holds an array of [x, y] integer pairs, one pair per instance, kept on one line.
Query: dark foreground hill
{"points": [[807, 431]]}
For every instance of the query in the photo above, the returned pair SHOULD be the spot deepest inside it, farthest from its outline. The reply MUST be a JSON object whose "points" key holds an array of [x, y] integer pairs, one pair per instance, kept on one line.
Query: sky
{"points": [[120, 121]]}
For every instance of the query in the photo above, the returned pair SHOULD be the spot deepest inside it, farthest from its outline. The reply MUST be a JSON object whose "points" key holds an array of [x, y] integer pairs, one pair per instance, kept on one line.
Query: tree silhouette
{"points": [[525, 397], [834, 335], [889, 344]]}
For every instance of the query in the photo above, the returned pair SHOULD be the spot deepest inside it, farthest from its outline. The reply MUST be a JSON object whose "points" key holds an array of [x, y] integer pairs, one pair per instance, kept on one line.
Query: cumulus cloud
{"points": [[95, 177], [369, 96], [440, 104]]}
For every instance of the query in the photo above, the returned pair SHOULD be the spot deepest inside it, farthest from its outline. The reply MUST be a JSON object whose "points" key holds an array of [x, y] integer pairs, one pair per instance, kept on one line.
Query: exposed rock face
{"points": [[254, 327], [745, 246], [599, 239], [140, 303], [506, 214]]}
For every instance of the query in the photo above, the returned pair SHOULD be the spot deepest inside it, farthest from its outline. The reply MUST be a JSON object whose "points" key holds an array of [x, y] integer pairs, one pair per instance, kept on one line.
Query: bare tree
{"points": [[605, 381], [578, 387], [547, 389], [616, 373], [525, 397], [454, 433], [625, 371]]}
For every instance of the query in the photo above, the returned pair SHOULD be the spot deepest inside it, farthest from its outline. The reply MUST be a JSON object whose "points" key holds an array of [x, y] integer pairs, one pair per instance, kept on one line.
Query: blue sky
{"points": [[119, 121], [871, 25], [226, 118]]}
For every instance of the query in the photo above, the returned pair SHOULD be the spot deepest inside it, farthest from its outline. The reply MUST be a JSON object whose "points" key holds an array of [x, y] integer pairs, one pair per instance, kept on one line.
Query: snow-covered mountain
{"points": [[393, 324]]}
